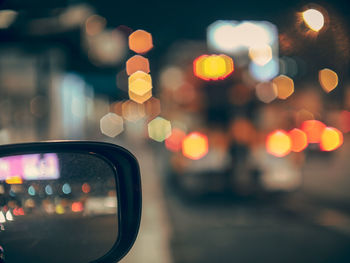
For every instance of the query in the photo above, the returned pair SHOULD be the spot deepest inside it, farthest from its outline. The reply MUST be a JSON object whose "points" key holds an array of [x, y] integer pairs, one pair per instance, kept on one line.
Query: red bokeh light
{"points": [[313, 130], [174, 142]]}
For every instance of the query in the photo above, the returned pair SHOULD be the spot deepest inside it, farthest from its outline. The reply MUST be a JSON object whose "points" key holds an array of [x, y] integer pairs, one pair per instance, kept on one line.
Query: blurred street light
{"points": [[278, 143], [159, 129], [7, 17], [328, 79], [314, 19]]}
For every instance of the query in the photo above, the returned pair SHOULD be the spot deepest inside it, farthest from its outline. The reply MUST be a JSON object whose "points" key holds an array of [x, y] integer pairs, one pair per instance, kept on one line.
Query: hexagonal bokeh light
{"points": [[285, 86], [195, 146], [159, 129], [133, 111], [140, 41], [111, 124], [137, 63], [266, 91], [278, 143], [331, 139], [140, 87], [299, 140], [152, 108], [213, 67]]}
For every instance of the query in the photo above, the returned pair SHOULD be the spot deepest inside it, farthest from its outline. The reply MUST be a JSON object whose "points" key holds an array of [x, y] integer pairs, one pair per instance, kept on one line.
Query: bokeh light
{"points": [[260, 55], [137, 63], [285, 86], [111, 124], [328, 79], [133, 111], [331, 139], [66, 189], [140, 41], [14, 180], [152, 108], [314, 19], [233, 37], [265, 72], [77, 207], [159, 129], [7, 17], [195, 146], [266, 91], [86, 188], [298, 139], [94, 25], [140, 87], [278, 143], [107, 48], [313, 130], [171, 78], [174, 141], [213, 67]]}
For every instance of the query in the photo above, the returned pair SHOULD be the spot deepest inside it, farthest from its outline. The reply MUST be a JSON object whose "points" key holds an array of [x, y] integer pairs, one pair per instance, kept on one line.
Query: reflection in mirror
{"points": [[57, 207]]}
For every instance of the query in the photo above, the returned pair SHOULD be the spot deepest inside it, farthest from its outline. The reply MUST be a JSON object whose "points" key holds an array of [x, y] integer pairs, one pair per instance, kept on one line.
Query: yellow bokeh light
{"points": [[14, 180], [328, 79], [140, 91], [140, 75], [213, 67], [285, 86], [195, 146], [260, 55], [314, 19], [159, 129], [140, 41], [331, 139], [278, 143], [140, 87], [137, 63]]}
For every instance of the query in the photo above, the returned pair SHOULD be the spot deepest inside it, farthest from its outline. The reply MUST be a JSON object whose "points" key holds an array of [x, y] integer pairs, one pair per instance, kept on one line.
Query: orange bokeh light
{"points": [[313, 130], [77, 207], [137, 63], [213, 67], [14, 180], [140, 41], [195, 145], [278, 143], [299, 140], [331, 139], [174, 142]]}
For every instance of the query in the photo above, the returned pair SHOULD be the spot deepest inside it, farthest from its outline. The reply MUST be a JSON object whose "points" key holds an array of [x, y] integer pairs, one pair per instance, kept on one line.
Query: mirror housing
{"points": [[127, 179]]}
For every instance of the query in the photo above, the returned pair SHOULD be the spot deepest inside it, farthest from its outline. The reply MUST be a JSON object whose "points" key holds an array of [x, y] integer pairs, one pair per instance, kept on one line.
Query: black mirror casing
{"points": [[128, 184]]}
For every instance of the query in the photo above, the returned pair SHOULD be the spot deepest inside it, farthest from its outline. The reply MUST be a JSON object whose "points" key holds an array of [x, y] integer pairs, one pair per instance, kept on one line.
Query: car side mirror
{"points": [[68, 202]]}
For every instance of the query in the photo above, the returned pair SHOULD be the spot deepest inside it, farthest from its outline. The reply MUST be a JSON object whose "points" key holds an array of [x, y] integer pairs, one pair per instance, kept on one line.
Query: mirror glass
{"points": [[57, 207]]}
